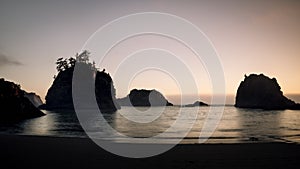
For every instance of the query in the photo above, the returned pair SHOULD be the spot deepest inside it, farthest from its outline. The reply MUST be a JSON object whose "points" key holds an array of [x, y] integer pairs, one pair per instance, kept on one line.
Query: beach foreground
{"points": [[57, 152]]}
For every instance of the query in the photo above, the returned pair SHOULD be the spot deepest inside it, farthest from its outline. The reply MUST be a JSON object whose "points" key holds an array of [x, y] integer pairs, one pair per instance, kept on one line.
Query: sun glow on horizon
{"points": [[249, 36]]}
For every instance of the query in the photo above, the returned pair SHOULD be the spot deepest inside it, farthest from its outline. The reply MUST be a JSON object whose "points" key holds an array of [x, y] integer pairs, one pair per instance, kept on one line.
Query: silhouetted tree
{"points": [[72, 61], [60, 64], [64, 64], [83, 57]]}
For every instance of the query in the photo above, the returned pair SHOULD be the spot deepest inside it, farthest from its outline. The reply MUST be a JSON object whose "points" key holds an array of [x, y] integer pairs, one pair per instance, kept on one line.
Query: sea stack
{"points": [[262, 92], [59, 95], [145, 98], [196, 104]]}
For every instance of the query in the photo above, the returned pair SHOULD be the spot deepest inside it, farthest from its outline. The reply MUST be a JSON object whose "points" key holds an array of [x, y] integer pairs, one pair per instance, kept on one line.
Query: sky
{"points": [[249, 37]]}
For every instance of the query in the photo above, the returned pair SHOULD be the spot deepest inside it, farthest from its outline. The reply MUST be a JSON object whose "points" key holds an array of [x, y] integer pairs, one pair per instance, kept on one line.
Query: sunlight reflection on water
{"points": [[236, 126]]}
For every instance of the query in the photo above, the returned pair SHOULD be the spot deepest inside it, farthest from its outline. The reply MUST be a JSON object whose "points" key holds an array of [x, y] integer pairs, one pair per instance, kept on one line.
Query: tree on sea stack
{"points": [[64, 64], [59, 95], [84, 57]]}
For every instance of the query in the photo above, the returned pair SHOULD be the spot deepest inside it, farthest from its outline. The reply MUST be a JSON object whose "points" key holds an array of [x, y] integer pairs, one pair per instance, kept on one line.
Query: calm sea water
{"points": [[235, 126]]}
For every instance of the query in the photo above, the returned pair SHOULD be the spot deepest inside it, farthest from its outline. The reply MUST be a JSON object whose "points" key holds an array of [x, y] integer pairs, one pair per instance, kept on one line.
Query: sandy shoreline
{"points": [[55, 152]]}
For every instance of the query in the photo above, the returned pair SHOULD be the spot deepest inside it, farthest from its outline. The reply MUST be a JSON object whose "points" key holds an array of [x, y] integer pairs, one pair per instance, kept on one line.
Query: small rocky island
{"points": [[196, 104], [262, 92], [145, 98], [14, 105], [59, 95]]}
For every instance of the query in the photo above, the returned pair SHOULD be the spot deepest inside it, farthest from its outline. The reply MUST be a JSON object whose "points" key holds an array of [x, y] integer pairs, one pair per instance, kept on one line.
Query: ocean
{"points": [[236, 125]]}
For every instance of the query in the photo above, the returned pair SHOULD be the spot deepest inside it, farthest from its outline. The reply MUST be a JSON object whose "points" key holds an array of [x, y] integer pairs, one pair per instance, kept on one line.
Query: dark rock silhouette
{"points": [[105, 92], [261, 92], [34, 99], [197, 103], [59, 95], [144, 98], [13, 103]]}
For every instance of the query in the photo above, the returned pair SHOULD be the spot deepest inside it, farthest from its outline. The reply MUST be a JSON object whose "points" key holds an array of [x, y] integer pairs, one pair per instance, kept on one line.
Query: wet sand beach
{"points": [[19, 151]]}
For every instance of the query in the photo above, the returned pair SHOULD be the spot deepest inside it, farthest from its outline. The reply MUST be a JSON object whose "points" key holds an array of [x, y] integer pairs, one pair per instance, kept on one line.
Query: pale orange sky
{"points": [[249, 36]]}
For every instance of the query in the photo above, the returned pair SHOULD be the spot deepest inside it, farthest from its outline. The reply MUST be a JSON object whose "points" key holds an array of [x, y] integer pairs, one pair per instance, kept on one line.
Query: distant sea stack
{"points": [[13, 103], [34, 99], [59, 95], [197, 103], [262, 92], [145, 98]]}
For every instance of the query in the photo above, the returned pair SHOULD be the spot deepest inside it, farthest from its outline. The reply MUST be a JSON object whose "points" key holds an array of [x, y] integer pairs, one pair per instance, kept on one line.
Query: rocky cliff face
{"points": [[59, 95], [14, 105], [261, 92], [144, 98], [105, 92]]}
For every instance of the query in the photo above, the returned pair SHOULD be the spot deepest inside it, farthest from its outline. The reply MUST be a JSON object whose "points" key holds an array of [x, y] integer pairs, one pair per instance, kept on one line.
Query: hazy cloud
{"points": [[6, 60]]}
